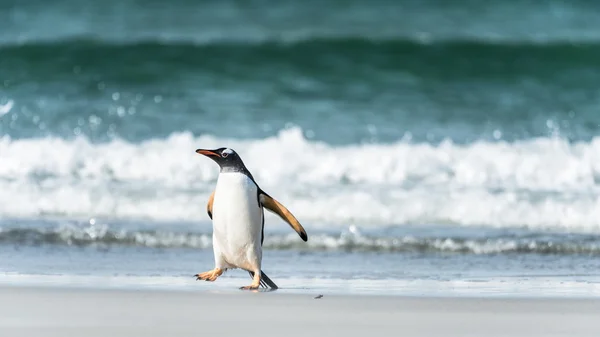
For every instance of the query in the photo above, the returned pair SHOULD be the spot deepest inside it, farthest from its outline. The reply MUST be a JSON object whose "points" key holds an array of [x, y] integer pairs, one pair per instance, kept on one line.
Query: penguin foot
{"points": [[255, 282], [209, 275]]}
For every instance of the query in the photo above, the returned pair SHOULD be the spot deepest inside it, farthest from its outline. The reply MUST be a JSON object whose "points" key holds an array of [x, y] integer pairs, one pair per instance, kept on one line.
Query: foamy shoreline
{"points": [[499, 287]]}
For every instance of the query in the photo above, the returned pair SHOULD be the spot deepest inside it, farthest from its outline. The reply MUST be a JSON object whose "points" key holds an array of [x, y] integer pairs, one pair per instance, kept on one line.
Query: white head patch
{"points": [[226, 152]]}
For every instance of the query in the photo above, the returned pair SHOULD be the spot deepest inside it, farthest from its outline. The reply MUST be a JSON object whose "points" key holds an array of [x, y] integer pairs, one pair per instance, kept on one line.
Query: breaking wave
{"points": [[104, 236], [538, 183]]}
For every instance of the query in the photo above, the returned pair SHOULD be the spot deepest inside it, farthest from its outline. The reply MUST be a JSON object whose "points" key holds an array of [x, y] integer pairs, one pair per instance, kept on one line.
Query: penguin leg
{"points": [[262, 282], [265, 281], [210, 275], [255, 282]]}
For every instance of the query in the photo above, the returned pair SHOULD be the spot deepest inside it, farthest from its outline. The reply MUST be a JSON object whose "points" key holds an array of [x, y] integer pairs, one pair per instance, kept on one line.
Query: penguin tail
{"points": [[265, 281]]}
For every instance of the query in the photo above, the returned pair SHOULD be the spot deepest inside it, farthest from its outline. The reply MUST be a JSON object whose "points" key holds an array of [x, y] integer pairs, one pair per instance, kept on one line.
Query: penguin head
{"points": [[225, 157]]}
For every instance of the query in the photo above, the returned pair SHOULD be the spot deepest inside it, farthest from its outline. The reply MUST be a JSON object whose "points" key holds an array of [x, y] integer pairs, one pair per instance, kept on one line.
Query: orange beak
{"points": [[207, 153]]}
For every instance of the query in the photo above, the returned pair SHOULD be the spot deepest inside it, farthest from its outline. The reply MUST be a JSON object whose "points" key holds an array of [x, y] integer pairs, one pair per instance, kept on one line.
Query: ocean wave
{"points": [[152, 57], [99, 236], [537, 183], [292, 20]]}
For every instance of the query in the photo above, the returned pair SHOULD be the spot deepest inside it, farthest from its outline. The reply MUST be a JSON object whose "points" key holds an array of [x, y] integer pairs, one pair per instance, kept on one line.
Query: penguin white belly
{"points": [[237, 223]]}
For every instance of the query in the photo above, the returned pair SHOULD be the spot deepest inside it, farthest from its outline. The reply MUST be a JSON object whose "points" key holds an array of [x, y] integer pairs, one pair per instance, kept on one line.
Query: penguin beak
{"points": [[207, 153]]}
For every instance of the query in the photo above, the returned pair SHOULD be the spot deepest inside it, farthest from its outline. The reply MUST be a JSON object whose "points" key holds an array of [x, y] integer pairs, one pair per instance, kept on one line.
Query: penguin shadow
{"points": [[270, 286], [260, 290], [268, 290]]}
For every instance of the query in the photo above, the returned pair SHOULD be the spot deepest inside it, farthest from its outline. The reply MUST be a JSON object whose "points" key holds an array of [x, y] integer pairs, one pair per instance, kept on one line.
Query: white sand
{"points": [[84, 312]]}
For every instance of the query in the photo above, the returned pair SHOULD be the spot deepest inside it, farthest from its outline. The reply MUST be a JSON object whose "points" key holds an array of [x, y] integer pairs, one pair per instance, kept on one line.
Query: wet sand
{"points": [[30, 311]]}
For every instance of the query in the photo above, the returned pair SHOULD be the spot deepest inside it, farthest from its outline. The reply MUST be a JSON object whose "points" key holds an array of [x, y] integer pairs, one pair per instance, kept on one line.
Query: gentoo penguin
{"points": [[236, 209]]}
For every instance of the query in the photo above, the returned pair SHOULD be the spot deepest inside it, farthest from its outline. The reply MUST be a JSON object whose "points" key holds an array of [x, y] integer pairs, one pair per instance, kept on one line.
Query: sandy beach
{"points": [[27, 311]]}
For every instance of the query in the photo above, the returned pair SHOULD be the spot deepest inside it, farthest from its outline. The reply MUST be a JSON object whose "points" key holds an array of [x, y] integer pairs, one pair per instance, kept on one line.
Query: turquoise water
{"points": [[406, 135]]}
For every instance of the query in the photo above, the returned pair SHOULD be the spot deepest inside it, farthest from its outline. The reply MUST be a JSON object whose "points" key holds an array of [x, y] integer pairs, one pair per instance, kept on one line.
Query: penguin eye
{"points": [[226, 153]]}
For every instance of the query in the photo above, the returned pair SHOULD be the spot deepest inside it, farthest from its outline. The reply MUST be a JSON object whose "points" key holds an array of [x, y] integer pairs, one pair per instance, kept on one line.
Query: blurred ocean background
{"points": [[417, 141]]}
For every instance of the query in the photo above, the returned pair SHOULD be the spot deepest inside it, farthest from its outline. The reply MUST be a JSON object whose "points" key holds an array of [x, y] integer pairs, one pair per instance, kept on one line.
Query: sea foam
{"points": [[537, 183]]}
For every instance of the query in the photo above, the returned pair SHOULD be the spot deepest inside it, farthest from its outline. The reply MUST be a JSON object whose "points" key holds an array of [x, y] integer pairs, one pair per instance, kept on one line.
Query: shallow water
{"points": [[336, 263]]}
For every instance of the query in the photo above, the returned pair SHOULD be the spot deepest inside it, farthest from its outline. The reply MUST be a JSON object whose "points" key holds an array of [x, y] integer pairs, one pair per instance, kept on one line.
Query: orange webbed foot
{"points": [[255, 282], [210, 275]]}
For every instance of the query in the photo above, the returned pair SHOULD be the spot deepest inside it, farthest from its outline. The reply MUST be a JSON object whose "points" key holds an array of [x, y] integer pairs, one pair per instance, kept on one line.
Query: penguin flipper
{"points": [[265, 281], [274, 206], [210, 204]]}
